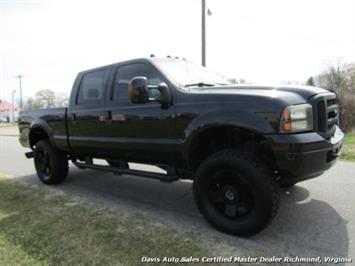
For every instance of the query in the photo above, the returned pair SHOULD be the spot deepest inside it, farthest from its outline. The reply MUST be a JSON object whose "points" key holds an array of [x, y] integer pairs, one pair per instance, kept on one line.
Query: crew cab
{"points": [[238, 143]]}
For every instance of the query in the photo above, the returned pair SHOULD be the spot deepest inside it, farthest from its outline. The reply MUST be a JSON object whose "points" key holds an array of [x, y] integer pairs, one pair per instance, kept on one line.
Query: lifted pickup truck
{"points": [[238, 143]]}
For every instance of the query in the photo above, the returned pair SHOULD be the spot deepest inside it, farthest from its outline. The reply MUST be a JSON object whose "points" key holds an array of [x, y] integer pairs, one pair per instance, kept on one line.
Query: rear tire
{"points": [[236, 192], [51, 165]]}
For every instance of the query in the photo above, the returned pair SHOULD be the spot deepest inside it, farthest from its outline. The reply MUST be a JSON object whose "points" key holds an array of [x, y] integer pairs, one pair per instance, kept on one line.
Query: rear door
{"points": [[138, 132], [86, 114]]}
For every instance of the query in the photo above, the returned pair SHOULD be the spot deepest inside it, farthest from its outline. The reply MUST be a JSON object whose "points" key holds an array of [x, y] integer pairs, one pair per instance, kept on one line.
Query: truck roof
{"points": [[151, 59]]}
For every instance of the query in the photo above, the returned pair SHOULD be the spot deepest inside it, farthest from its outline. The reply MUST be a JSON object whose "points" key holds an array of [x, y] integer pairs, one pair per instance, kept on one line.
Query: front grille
{"points": [[326, 117], [331, 101], [321, 111]]}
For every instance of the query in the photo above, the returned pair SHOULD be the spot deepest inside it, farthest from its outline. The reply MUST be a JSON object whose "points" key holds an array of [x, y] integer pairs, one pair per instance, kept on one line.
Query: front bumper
{"points": [[303, 156]]}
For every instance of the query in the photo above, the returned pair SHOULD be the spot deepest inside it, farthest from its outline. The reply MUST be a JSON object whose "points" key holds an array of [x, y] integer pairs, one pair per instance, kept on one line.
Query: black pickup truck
{"points": [[238, 143]]}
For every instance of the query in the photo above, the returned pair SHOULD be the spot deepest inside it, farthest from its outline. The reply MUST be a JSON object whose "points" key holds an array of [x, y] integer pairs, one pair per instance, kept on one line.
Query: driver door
{"points": [[138, 132]]}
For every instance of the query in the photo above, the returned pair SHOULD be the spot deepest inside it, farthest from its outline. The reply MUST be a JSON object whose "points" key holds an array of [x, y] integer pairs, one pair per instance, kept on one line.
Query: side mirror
{"points": [[138, 90], [165, 97]]}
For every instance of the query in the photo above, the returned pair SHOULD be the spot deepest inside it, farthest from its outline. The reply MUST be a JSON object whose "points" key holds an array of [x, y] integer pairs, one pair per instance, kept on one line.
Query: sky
{"points": [[49, 41]]}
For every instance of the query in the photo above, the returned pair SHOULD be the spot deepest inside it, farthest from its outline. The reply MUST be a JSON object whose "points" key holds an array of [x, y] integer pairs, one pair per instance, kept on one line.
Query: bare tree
{"points": [[61, 100], [233, 80], [45, 98], [339, 77], [30, 104], [336, 77], [237, 81]]}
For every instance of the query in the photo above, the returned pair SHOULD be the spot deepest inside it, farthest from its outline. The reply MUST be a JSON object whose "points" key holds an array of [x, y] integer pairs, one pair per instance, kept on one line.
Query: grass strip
{"points": [[38, 227]]}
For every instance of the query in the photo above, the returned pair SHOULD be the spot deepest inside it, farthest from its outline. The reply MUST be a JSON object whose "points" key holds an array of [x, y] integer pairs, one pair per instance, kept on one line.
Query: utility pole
{"points": [[203, 40], [13, 106], [20, 84]]}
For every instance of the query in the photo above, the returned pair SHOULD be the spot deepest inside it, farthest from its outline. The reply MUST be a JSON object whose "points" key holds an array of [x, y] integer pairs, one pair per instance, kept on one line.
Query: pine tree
{"points": [[311, 82]]}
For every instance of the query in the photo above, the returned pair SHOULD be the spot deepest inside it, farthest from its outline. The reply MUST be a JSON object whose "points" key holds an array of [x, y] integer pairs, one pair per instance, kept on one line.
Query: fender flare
{"points": [[40, 124], [234, 118], [242, 119]]}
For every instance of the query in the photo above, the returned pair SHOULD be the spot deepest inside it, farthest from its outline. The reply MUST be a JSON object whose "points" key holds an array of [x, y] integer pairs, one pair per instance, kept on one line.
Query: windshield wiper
{"points": [[200, 84]]}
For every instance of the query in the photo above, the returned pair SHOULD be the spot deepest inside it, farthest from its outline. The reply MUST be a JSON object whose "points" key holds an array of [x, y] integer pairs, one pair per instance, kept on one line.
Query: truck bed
{"points": [[52, 121]]}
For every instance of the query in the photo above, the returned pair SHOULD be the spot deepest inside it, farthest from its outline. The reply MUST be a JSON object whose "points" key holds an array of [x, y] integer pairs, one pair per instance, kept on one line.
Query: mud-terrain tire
{"points": [[236, 192], [51, 165]]}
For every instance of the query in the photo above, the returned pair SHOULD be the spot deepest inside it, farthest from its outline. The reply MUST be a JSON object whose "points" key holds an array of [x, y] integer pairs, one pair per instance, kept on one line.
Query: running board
{"points": [[29, 154], [118, 170]]}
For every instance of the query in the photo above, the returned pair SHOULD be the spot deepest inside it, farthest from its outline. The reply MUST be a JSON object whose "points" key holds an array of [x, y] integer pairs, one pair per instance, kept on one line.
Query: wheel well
{"points": [[36, 135], [229, 137]]}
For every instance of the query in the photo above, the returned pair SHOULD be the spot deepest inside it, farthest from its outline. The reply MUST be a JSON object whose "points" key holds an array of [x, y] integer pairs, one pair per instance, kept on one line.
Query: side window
{"points": [[92, 88], [125, 73]]}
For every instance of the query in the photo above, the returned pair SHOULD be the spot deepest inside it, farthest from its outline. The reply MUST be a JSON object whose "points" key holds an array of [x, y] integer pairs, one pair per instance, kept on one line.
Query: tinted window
{"points": [[125, 73], [92, 87]]}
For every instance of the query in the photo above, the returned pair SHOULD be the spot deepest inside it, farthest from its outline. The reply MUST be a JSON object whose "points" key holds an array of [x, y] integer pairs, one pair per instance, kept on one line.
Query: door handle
{"points": [[106, 116], [72, 117]]}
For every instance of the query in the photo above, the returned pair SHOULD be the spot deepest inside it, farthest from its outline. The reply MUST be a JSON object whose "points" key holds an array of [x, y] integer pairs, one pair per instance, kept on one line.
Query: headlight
{"points": [[297, 118]]}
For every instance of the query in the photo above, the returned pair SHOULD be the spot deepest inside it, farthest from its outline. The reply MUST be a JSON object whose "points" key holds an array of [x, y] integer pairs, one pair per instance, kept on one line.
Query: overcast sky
{"points": [[261, 41]]}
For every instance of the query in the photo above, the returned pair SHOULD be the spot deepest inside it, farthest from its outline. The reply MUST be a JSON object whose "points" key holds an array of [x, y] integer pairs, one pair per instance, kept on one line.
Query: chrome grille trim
{"points": [[326, 116]]}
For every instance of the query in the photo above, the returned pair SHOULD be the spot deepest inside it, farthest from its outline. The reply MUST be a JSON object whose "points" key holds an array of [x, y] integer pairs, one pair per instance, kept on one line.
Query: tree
{"points": [[351, 73], [233, 80], [61, 100], [311, 82], [236, 81], [31, 104], [45, 98], [339, 77]]}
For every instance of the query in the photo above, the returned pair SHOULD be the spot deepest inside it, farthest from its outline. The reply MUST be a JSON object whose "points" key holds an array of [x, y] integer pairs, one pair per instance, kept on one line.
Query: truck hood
{"points": [[281, 91]]}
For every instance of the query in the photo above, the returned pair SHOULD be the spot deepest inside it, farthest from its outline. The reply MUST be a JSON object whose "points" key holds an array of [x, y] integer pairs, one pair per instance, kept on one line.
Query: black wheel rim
{"points": [[231, 194], [43, 164]]}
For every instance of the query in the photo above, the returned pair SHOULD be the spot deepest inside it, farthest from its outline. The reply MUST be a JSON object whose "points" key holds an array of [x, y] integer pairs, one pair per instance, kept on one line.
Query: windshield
{"points": [[188, 74]]}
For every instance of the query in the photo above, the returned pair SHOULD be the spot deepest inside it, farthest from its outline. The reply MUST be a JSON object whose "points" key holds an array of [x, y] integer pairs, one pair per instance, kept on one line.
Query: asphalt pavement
{"points": [[316, 217]]}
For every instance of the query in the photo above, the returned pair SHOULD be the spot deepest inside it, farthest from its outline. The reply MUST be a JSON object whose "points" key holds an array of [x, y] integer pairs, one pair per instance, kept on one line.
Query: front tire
{"points": [[51, 165], [236, 192]]}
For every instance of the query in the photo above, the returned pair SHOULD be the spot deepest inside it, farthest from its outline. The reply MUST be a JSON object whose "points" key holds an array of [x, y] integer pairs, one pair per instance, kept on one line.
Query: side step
{"points": [[29, 154], [160, 177]]}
